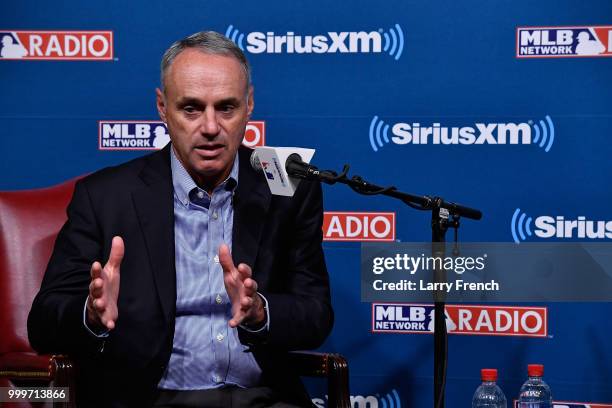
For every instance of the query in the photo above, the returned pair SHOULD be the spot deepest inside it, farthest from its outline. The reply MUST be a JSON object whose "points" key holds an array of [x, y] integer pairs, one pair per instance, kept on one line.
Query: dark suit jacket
{"points": [[279, 237]]}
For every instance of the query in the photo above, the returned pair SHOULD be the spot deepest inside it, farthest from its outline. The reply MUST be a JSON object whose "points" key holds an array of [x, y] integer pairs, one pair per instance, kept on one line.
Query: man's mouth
{"points": [[209, 150]]}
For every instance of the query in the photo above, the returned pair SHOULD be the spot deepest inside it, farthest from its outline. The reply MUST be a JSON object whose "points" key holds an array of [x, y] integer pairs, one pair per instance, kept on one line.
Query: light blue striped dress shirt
{"points": [[206, 352]]}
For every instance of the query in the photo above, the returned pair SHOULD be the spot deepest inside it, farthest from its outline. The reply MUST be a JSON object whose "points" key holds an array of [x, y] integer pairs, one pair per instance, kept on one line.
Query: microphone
{"points": [[283, 167], [297, 168], [254, 160]]}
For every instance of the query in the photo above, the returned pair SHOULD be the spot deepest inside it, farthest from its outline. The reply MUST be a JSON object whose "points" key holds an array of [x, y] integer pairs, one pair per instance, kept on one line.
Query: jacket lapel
{"points": [[153, 201], [154, 205], [251, 203]]}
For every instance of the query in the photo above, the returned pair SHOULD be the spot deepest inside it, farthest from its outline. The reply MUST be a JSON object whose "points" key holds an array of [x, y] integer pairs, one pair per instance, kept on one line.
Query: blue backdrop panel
{"points": [[440, 64]]}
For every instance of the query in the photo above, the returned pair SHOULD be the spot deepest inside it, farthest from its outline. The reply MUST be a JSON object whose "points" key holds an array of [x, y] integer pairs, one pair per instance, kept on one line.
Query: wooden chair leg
{"points": [[334, 367], [62, 375]]}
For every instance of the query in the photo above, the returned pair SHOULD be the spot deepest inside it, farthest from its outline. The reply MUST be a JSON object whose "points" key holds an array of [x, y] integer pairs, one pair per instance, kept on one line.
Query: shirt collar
{"points": [[183, 183]]}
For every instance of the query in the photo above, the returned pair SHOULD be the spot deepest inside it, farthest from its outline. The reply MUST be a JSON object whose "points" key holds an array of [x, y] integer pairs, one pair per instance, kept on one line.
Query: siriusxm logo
{"points": [[362, 42], [388, 400], [524, 227], [541, 134]]}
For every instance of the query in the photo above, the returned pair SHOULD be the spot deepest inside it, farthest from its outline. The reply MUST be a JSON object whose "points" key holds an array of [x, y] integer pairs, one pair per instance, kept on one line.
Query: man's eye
{"points": [[189, 109], [226, 108]]}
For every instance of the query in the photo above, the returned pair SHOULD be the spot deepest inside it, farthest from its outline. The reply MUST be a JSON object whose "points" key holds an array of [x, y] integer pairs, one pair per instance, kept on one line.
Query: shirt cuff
{"points": [[99, 335], [266, 326]]}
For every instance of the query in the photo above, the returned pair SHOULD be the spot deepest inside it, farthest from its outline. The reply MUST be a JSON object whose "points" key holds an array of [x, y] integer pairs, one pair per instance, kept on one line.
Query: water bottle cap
{"points": [[488, 374], [535, 370]]}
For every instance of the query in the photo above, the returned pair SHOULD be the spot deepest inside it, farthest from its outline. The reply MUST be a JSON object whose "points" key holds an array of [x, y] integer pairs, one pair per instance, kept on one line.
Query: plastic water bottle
{"points": [[535, 393], [488, 394]]}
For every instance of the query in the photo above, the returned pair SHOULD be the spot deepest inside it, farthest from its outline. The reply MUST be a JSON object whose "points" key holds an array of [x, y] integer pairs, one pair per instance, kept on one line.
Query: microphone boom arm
{"points": [[361, 186]]}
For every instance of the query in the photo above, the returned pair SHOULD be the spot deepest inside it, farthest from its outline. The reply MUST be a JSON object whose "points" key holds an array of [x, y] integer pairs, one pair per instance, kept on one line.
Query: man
{"points": [[174, 318]]}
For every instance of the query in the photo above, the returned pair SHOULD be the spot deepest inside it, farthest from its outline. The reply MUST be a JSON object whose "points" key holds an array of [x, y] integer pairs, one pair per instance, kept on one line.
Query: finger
{"points": [[91, 287], [246, 302], [96, 270], [95, 288], [110, 324], [250, 286], [99, 305], [228, 280], [245, 271], [236, 321], [225, 258], [116, 253], [90, 304]]}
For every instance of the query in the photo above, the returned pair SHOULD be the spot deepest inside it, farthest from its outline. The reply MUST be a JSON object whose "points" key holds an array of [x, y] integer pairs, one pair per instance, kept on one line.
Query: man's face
{"points": [[206, 106]]}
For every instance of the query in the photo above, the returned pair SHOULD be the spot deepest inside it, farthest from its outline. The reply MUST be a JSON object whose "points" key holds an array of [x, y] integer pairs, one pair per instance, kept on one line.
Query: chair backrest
{"points": [[29, 223]]}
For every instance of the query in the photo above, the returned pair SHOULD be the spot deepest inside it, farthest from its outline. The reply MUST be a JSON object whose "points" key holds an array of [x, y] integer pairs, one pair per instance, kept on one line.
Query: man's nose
{"points": [[210, 125]]}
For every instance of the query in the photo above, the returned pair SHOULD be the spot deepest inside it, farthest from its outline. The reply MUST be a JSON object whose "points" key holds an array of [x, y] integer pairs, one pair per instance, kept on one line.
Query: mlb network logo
{"points": [[523, 227], [388, 400], [560, 42], [153, 134], [539, 133], [358, 226], [461, 319], [272, 171], [354, 42], [56, 45]]}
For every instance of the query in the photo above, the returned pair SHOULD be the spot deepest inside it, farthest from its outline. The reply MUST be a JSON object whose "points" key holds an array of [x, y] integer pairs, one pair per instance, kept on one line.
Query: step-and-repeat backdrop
{"points": [[501, 105]]}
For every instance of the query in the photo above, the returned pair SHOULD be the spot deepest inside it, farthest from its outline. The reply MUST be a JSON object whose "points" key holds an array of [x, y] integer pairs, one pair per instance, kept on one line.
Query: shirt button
{"points": [[215, 215], [216, 378], [218, 299], [216, 258], [201, 194], [220, 337]]}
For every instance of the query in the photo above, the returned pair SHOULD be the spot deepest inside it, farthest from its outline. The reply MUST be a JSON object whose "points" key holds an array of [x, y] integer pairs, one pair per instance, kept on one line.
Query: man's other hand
{"points": [[104, 288], [247, 305]]}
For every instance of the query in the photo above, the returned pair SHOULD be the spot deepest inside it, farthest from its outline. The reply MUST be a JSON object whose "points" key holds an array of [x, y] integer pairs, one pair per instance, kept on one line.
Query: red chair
{"points": [[29, 223]]}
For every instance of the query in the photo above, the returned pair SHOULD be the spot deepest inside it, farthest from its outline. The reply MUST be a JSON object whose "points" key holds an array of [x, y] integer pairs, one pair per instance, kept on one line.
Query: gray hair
{"points": [[208, 42]]}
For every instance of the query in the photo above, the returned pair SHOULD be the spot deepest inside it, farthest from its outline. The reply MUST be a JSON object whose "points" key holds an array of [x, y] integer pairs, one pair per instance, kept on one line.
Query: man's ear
{"points": [[161, 104], [250, 101]]}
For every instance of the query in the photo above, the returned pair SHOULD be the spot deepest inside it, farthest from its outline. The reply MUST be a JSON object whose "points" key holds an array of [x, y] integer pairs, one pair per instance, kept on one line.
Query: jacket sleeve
{"points": [[55, 322]]}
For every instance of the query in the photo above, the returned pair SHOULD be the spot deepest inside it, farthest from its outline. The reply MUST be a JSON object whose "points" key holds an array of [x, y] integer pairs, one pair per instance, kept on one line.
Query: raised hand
{"points": [[247, 305], [102, 309]]}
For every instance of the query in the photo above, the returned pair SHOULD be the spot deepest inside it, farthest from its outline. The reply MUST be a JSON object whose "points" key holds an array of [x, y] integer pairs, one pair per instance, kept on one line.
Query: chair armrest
{"points": [[28, 367], [332, 366], [60, 370]]}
